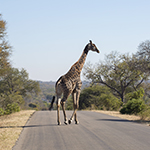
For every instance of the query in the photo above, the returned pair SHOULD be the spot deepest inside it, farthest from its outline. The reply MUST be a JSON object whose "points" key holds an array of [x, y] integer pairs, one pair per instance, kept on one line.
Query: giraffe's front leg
{"points": [[74, 115], [58, 117], [75, 96], [75, 119]]}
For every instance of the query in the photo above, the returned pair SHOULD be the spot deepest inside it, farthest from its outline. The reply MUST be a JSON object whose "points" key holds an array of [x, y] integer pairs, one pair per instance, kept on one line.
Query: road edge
{"points": [[23, 129]]}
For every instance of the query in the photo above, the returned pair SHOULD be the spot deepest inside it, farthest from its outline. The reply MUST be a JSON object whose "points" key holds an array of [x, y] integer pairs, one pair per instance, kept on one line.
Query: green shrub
{"points": [[135, 95], [14, 107], [110, 102], [98, 97], [133, 106], [1, 112], [33, 105], [145, 114]]}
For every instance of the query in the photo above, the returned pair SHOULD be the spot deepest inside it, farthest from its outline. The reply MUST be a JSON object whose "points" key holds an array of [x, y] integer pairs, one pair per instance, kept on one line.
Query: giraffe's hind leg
{"points": [[65, 96], [58, 109]]}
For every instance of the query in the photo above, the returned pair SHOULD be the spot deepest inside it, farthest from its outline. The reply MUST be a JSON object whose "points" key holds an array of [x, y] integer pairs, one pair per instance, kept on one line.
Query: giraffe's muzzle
{"points": [[98, 51]]}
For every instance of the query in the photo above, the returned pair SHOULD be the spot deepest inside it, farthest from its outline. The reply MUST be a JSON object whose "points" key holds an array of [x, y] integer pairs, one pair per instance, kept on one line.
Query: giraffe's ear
{"points": [[90, 42]]}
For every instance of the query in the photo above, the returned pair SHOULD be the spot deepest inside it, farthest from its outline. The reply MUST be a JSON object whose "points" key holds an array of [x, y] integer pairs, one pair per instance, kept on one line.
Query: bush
{"points": [[110, 102], [98, 97], [1, 112], [14, 107], [33, 105], [145, 114], [135, 95], [133, 106]]}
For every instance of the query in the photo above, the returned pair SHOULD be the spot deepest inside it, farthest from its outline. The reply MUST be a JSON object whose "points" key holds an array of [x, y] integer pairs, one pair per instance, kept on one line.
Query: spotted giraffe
{"points": [[70, 83]]}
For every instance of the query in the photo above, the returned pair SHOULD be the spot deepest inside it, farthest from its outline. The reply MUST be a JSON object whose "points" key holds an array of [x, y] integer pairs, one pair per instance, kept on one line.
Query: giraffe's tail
{"points": [[51, 106]]}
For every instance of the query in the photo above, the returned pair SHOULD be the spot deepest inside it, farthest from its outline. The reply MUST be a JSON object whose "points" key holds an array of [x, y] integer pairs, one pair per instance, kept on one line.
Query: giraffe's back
{"points": [[67, 84]]}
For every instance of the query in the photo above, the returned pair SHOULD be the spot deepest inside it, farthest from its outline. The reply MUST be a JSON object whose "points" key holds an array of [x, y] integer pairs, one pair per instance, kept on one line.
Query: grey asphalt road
{"points": [[96, 131]]}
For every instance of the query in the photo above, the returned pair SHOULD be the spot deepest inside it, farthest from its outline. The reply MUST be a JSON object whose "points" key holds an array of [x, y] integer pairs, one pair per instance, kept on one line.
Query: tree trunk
{"points": [[122, 97]]}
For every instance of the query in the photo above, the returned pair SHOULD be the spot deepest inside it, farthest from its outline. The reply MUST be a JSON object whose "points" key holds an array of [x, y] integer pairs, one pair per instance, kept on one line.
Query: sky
{"points": [[48, 37]]}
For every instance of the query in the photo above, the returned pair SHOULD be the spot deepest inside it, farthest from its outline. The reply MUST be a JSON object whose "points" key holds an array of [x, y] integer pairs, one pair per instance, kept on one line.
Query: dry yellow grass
{"points": [[11, 127], [123, 116]]}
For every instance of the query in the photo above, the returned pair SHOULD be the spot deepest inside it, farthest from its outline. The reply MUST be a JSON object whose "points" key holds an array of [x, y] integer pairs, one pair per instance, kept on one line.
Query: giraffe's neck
{"points": [[81, 61], [75, 70]]}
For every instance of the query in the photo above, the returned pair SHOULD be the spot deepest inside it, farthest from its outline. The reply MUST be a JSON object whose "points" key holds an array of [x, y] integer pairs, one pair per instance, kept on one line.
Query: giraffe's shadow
{"points": [[35, 126], [29, 126]]}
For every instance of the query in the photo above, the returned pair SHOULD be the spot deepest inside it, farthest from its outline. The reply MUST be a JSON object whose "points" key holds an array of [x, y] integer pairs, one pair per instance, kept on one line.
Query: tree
{"points": [[118, 72], [5, 49], [15, 85], [143, 56]]}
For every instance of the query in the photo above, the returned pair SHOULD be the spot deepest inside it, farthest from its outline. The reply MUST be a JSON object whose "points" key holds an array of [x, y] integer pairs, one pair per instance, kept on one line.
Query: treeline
{"points": [[122, 80], [15, 85]]}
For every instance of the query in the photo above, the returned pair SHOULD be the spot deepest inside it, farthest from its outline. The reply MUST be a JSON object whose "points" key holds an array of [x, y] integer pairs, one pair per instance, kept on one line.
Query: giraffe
{"points": [[70, 83]]}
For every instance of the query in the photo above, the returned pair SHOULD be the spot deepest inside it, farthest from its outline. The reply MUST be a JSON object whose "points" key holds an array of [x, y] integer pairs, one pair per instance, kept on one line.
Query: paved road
{"points": [[96, 131]]}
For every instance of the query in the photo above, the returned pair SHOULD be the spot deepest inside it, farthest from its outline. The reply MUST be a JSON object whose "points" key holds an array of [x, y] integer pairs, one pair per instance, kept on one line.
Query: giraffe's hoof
{"points": [[69, 121], [59, 123], [76, 122], [66, 122]]}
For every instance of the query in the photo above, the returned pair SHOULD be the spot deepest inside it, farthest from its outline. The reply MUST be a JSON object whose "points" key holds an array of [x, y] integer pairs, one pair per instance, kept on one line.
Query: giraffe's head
{"points": [[92, 47]]}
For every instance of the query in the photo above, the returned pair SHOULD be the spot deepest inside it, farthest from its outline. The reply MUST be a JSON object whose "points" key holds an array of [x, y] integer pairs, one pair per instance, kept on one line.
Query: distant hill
{"points": [[49, 87], [47, 82]]}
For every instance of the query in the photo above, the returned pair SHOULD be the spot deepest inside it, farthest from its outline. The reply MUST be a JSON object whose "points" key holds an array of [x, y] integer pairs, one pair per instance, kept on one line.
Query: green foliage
{"points": [[15, 86], [69, 103], [1, 112], [98, 97], [135, 95], [135, 103], [145, 114], [133, 106], [11, 98], [5, 49], [143, 56], [110, 102], [14, 107], [17, 81]]}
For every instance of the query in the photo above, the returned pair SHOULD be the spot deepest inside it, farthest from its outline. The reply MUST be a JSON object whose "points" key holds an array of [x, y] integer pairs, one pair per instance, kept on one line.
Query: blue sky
{"points": [[49, 36]]}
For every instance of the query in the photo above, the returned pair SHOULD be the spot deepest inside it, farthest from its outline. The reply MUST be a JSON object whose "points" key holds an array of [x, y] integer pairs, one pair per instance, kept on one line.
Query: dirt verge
{"points": [[11, 127]]}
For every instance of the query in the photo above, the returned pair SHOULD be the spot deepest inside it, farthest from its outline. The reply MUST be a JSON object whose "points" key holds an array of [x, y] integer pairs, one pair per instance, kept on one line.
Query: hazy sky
{"points": [[49, 36]]}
